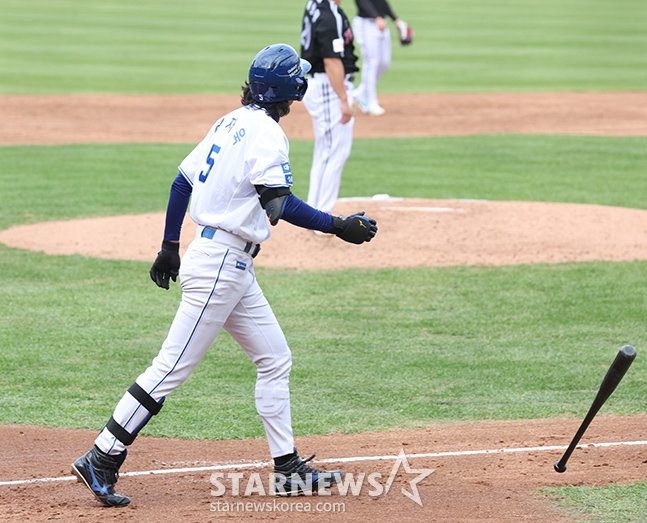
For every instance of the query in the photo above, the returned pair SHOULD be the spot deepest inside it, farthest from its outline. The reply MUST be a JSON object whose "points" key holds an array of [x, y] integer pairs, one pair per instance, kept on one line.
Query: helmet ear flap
{"points": [[301, 89]]}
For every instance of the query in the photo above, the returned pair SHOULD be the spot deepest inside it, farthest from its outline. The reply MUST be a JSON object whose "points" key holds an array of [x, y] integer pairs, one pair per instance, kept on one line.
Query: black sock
{"points": [[282, 460]]}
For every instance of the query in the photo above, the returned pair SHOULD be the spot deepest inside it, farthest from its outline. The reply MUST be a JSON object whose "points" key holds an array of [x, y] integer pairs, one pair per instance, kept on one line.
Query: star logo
{"points": [[414, 495]]}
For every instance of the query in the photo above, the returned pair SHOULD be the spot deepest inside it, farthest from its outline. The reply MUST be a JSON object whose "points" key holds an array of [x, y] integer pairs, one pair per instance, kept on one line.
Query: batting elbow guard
{"points": [[357, 228], [272, 200]]}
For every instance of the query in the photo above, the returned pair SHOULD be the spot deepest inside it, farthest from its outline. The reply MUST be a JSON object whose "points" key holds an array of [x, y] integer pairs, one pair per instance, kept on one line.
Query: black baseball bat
{"points": [[615, 373]]}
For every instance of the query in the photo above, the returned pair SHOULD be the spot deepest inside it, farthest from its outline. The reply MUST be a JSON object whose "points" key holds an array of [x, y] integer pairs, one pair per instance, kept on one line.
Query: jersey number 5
{"points": [[210, 160]]}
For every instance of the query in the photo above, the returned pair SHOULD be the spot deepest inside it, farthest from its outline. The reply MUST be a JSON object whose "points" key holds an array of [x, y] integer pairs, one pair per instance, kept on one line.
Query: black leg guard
{"points": [[145, 399], [152, 406]]}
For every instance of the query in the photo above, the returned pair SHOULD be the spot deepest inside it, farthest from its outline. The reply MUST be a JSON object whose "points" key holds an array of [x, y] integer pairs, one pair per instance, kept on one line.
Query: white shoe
{"points": [[322, 234], [363, 105], [374, 110]]}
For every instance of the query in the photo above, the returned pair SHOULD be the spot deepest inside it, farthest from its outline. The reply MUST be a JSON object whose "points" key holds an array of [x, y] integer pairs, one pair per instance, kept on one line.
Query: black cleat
{"points": [[100, 471], [296, 477]]}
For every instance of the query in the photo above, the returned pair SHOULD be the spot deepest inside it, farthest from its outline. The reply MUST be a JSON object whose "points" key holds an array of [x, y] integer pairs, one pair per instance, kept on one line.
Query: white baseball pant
{"points": [[219, 290], [333, 141], [375, 47]]}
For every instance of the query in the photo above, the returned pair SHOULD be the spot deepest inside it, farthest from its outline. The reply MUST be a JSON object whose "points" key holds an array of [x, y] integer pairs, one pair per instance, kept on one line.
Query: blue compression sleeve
{"points": [[299, 213], [176, 209]]}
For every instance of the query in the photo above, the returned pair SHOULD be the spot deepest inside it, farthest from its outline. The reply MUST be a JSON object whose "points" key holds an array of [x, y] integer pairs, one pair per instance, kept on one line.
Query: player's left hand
{"points": [[357, 228], [166, 265]]}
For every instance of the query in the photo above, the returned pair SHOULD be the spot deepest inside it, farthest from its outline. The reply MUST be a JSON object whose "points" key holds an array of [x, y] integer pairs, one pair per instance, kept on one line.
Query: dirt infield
{"points": [[467, 486], [30, 119]]}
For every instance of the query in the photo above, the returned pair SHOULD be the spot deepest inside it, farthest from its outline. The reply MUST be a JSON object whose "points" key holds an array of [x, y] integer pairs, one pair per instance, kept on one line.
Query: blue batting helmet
{"points": [[278, 74]]}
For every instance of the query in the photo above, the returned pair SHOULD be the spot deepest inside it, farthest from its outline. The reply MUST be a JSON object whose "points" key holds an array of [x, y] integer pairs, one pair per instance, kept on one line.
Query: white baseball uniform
{"points": [[219, 289], [327, 34], [333, 141], [237, 180], [375, 47]]}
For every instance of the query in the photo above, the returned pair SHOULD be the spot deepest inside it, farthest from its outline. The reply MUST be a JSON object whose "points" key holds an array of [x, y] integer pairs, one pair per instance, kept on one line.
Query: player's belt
{"points": [[228, 238]]}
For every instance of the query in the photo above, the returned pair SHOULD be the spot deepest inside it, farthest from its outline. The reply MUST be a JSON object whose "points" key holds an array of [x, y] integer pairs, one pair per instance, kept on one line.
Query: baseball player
{"points": [[238, 181], [374, 40], [327, 43]]}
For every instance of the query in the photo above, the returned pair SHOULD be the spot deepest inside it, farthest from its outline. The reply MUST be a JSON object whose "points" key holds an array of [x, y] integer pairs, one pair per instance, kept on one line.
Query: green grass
{"points": [[612, 504], [78, 181], [386, 348], [383, 348], [373, 349], [200, 46], [506, 167], [75, 181]]}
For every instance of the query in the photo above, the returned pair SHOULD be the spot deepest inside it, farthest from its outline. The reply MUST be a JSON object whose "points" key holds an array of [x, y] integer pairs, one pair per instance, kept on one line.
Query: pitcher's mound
{"points": [[412, 233]]}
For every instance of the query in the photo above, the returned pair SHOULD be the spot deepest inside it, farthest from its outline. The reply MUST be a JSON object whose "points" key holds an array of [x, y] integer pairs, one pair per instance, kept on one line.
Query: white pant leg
{"points": [[212, 286], [253, 325], [359, 35], [385, 56], [333, 141], [375, 47]]}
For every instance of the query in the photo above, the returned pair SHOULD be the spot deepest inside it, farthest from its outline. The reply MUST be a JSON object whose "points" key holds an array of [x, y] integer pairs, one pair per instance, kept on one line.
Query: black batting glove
{"points": [[357, 228], [166, 265]]}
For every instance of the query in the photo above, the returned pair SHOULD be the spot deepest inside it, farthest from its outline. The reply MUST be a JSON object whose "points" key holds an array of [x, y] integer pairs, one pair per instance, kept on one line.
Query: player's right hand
{"points": [[166, 265], [346, 112]]}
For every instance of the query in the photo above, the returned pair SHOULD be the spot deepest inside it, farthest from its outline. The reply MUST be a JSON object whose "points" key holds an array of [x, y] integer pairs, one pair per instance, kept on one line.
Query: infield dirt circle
{"points": [[467, 486]]}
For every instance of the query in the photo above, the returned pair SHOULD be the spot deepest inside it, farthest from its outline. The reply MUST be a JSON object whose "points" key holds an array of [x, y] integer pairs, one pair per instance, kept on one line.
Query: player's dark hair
{"points": [[280, 109]]}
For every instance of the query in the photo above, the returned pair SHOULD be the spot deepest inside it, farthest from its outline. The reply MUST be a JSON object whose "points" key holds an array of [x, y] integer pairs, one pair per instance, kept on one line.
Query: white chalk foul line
{"points": [[481, 452], [259, 464], [146, 472], [424, 209]]}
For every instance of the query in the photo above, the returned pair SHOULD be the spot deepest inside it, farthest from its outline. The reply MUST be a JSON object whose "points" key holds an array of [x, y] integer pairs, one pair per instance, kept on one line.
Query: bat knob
{"points": [[559, 467], [628, 351]]}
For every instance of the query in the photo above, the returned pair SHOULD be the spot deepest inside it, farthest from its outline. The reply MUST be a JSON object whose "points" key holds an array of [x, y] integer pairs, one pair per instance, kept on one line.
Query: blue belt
{"points": [[248, 247]]}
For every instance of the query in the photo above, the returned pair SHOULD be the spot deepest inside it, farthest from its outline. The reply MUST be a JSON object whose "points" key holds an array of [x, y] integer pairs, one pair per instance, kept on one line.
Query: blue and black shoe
{"points": [[100, 471], [295, 477]]}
